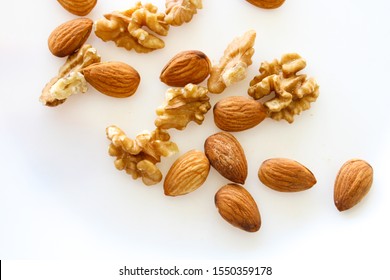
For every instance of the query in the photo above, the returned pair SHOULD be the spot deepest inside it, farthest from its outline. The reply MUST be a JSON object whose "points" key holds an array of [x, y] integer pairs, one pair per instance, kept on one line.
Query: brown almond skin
{"points": [[286, 175], [238, 113], [227, 156], [237, 206], [267, 4], [186, 67], [187, 173], [115, 79], [352, 184], [78, 7], [69, 36]]}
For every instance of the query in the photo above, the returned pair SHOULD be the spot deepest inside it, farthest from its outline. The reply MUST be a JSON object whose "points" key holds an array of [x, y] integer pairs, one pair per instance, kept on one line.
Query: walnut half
{"points": [[139, 157], [133, 28], [181, 11], [183, 105], [234, 63], [69, 80], [284, 92]]}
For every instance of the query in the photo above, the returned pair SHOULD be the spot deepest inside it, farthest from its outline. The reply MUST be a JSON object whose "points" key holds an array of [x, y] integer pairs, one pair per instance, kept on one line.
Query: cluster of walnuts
{"points": [[279, 92], [139, 157], [183, 104], [138, 28], [279, 89], [131, 29]]}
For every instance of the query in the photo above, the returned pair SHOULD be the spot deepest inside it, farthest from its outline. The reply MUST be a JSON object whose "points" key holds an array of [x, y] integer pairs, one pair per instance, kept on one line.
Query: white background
{"points": [[62, 198]]}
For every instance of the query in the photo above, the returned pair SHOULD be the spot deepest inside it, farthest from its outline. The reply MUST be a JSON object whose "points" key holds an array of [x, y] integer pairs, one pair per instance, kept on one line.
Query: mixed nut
{"points": [[227, 156], [78, 7], [278, 92]]}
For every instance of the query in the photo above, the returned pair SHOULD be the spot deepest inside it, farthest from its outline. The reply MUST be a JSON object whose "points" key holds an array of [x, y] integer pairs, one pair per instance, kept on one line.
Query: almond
{"points": [[186, 67], [69, 36], [187, 173], [237, 206], [286, 175], [116, 79], [238, 113], [227, 156], [78, 7], [267, 4], [353, 182]]}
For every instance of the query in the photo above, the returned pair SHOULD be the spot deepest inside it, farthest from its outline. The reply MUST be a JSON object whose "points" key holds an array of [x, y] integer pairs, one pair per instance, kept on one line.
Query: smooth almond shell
{"points": [[353, 182], [116, 79], [187, 173], [186, 67], [237, 206], [238, 113], [227, 156], [69, 36], [267, 4], [78, 7], [286, 175]]}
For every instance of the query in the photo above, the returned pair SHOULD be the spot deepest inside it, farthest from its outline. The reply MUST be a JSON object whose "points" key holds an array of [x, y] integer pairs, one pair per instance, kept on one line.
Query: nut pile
{"points": [[139, 27], [83, 65], [279, 92], [134, 28]]}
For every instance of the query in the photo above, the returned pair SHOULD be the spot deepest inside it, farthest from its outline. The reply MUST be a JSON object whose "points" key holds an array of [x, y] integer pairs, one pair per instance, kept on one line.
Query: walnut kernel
{"points": [[183, 105], [234, 63], [69, 80], [293, 92], [139, 157], [72, 83], [126, 28], [181, 11]]}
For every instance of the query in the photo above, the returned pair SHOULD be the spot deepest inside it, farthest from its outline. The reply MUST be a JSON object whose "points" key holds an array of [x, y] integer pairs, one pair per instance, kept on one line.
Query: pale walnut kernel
{"points": [[139, 157], [181, 11], [234, 63], [72, 83], [286, 92], [183, 105], [126, 28], [69, 80]]}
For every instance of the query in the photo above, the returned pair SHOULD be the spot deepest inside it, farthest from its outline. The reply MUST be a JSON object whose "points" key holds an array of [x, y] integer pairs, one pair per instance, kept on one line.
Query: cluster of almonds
{"points": [[235, 204], [278, 92]]}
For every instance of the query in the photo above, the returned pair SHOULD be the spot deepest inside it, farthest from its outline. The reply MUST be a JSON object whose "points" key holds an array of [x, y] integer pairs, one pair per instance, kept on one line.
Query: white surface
{"points": [[61, 196]]}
